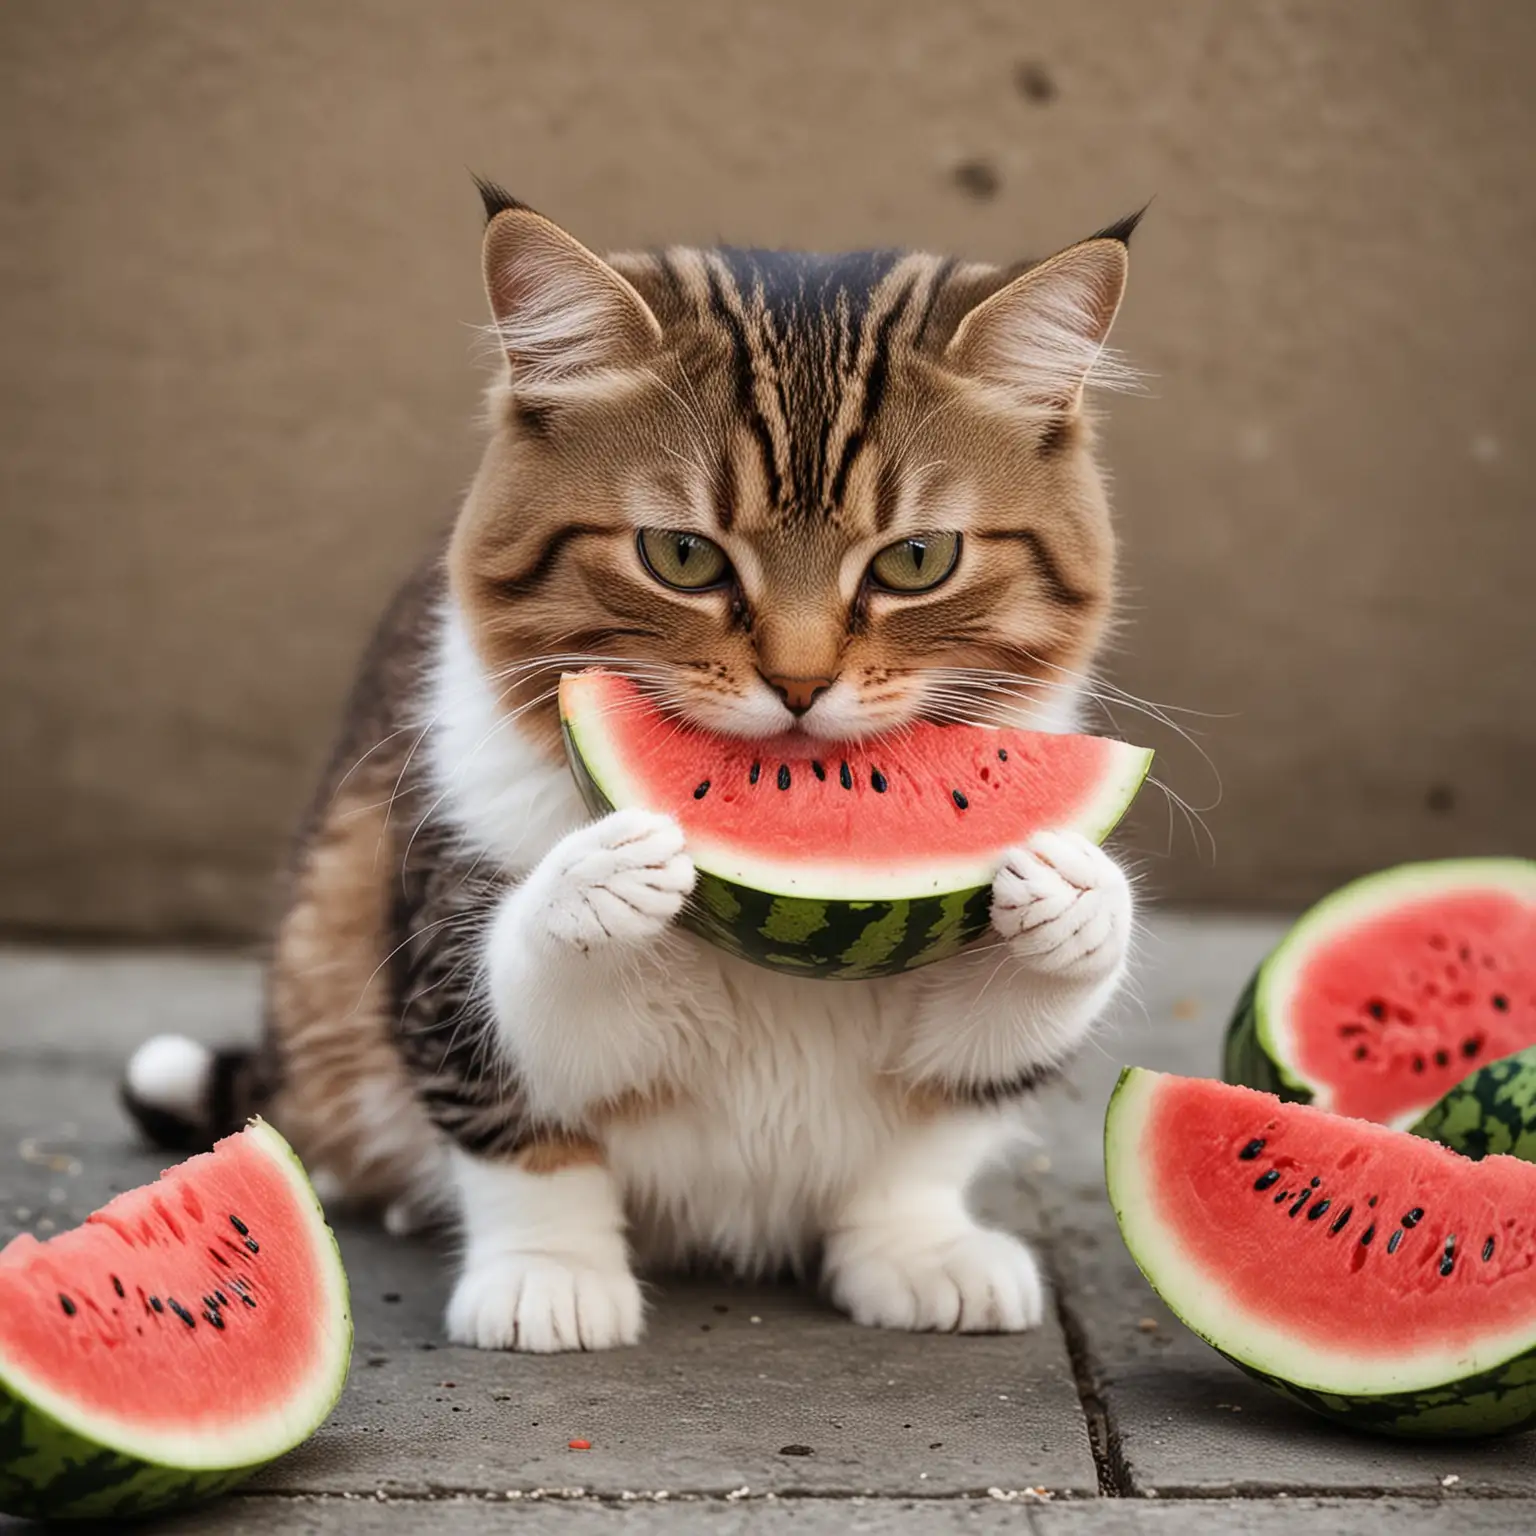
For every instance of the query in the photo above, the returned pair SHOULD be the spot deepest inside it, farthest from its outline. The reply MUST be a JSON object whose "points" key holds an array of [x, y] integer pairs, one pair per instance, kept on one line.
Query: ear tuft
{"points": [[1123, 229], [1039, 338], [496, 198]]}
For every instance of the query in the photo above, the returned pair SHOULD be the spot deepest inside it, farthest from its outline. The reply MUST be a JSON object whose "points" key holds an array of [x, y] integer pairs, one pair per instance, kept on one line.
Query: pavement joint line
{"points": [[1115, 1479]]}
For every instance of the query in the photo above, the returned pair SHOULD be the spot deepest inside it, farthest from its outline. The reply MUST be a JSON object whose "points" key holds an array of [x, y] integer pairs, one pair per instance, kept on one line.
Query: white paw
{"points": [[977, 1282], [1064, 906], [537, 1303], [621, 880]]}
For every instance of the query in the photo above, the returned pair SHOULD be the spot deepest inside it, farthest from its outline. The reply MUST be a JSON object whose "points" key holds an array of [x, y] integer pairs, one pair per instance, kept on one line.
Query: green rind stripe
{"points": [[47, 1471], [1491, 1113], [1492, 1402]]}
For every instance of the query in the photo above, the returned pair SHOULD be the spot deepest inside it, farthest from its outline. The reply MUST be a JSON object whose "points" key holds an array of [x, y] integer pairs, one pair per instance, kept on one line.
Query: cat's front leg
{"points": [[546, 1265], [574, 997], [1006, 1015], [905, 1251]]}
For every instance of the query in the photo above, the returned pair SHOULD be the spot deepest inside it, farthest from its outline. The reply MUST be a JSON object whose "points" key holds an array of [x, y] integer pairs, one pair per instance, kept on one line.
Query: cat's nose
{"points": [[798, 693]]}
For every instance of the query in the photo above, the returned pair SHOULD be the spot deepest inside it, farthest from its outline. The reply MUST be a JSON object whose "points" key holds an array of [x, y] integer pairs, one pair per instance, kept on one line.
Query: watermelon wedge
{"points": [[1390, 991], [842, 861], [186, 1334], [1370, 1275]]}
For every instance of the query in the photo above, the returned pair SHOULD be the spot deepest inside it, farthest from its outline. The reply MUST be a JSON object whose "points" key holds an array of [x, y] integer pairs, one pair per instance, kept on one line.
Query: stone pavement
{"points": [[757, 1409]]}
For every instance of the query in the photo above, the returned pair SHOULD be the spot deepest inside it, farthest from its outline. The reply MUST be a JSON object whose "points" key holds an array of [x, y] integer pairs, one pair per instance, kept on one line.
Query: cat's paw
{"points": [[977, 1282], [1064, 906], [621, 880], [537, 1303]]}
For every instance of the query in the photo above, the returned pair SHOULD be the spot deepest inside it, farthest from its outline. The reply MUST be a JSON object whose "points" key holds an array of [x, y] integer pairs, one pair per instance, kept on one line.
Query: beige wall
{"points": [[239, 261]]}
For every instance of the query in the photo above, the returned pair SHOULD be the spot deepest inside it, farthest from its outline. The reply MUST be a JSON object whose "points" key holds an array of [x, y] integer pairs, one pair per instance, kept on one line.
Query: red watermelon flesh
{"points": [[944, 798], [197, 1323], [1394, 989], [1329, 1253]]}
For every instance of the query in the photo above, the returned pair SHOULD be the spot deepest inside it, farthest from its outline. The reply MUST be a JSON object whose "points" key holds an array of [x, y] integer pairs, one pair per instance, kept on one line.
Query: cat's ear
{"points": [[1040, 337], [562, 314]]}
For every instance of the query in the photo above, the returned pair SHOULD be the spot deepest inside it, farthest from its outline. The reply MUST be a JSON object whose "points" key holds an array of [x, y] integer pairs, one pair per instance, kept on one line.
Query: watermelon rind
{"points": [[829, 923], [1491, 1113], [60, 1461], [1259, 1050], [1491, 1390]]}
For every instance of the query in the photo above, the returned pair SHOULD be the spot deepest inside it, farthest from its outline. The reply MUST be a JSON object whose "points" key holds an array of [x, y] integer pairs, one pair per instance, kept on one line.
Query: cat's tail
{"points": [[185, 1095]]}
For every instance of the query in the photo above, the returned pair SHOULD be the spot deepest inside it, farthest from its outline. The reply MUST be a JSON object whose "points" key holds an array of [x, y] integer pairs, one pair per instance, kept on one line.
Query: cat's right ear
{"points": [[562, 314]]}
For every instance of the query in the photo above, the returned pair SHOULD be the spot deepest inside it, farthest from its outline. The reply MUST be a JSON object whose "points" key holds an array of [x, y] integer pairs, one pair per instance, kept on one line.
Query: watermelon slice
{"points": [[1370, 1275], [186, 1334], [1391, 990], [844, 861]]}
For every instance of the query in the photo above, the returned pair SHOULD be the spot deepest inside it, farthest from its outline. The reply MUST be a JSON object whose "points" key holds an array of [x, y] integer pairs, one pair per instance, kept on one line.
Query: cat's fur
{"points": [[479, 1002]]}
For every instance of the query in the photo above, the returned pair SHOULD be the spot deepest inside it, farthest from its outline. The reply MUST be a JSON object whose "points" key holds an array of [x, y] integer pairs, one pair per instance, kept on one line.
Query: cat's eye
{"points": [[917, 564], [687, 561]]}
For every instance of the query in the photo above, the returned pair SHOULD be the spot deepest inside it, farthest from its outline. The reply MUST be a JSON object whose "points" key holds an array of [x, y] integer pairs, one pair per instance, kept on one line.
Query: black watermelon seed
{"points": [[1372, 1202], [783, 775], [69, 1307], [1448, 1263], [212, 1314], [1487, 1250], [1442, 1058], [1418, 1063], [702, 790], [1252, 1150], [117, 1285], [219, 1257], [1414, 1217], [253, 1245], [1002, 754], [1376, 1008], [239, 1226], [1301, 1200], [1361, 1053], [1265, 1180], [181, 1312], [221, 1298], [155, 1302], [1316, 1182], [1341, 1221], [1320, 1209], [755, 773], [1367, 1235], [1395, 1242], [844, 777], [877, 781], [248, 1301], [959, 799], [1501, 1002], [1470, 1047], [1282, 1197], [818, 769]]}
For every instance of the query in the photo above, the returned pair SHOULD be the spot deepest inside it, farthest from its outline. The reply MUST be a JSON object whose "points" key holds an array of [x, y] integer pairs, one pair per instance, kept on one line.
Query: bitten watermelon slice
{"points": [[1391, 990], [847, 861], [1372, 1276], [186, 1334]]}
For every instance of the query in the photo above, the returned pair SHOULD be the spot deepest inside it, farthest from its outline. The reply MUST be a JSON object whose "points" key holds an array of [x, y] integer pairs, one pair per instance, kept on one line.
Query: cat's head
{"points": [[786, 491]]}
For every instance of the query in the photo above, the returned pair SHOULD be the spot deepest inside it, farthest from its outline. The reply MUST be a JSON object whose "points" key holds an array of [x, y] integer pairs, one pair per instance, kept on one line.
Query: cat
{"points": [[781, 491]]}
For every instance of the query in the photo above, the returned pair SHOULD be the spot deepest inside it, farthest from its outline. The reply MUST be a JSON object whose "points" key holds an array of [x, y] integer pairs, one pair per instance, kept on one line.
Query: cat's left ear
{"points": [[1042, 335], [562, 313]]}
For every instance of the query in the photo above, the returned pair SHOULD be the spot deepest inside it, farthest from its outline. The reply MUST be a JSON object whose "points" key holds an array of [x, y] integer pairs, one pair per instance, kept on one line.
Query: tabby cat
{"points": [[834, 494]]}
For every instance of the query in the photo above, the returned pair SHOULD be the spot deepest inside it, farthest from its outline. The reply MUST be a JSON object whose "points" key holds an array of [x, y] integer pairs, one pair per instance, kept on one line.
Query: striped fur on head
{"points": [[801, 412]]}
